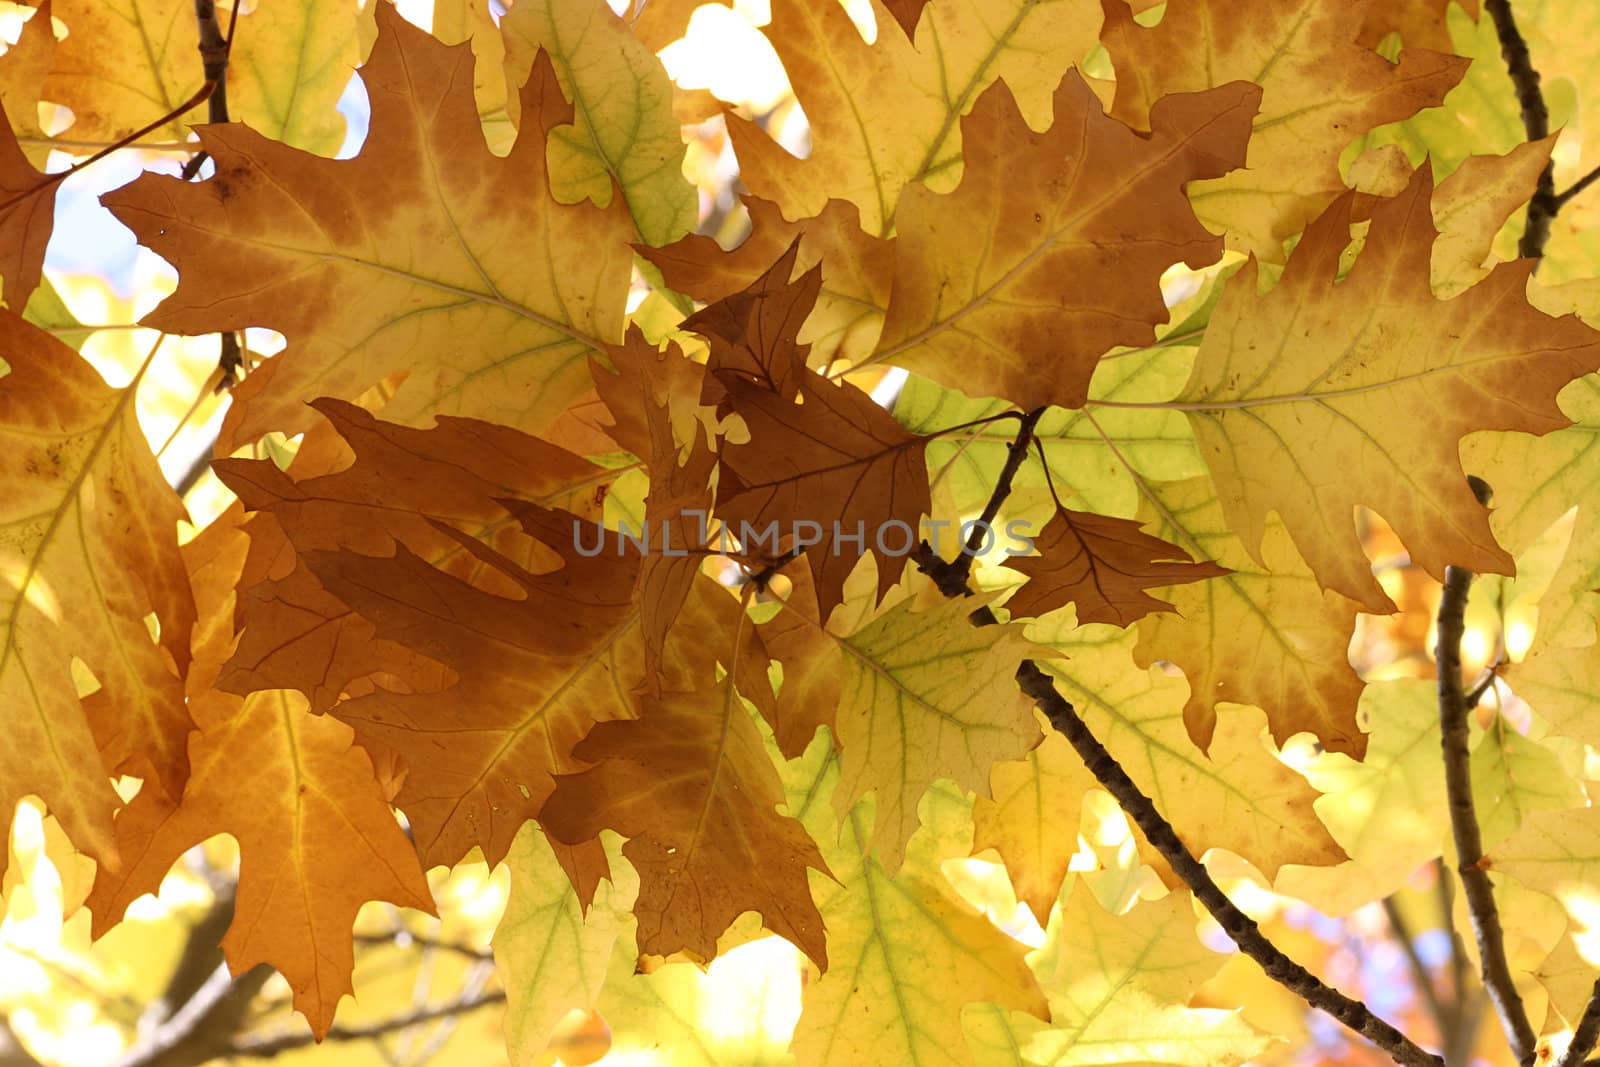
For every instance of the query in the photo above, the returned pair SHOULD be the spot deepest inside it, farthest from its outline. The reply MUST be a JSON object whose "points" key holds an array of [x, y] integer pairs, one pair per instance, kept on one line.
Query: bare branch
{"points": [[266, 1048], [1454, 737]]}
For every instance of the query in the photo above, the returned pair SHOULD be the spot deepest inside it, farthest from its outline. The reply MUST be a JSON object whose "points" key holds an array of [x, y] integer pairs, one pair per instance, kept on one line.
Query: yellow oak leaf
{"points": [[1265, 633], [961, 48], [22, 71], [1066, 273], [285, 76], [1119, 989], [690, 784], [890, 933], [89, 549], [925, 695], [550, 951], [317, 840], [1536, 479], [623, 130], [1236, 795], [1319, 88], [424, 254], [1310, 400], [1033, 817]]}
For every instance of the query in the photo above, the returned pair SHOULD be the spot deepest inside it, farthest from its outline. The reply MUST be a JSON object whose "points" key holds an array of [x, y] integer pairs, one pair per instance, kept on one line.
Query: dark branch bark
{"points": [[1454, 740], [1587, 1032], [951, 579], [1543, 207]]}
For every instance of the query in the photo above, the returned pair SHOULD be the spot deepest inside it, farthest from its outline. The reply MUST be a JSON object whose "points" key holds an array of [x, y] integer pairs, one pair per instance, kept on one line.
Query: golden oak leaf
{"points": [[834, 470], [285, 76], [1076, 224], [1536, 480], [317, 840], [424, 254], [1033, 817], [909, 953], [1265, 633], [22, 70], [1319, 88], [1312, 398], [857, 272], [1236, 795], [689, 783], [1103, 566], [961, 48], [400, 481], [88, 549], [925, 695], [1420, 23]]}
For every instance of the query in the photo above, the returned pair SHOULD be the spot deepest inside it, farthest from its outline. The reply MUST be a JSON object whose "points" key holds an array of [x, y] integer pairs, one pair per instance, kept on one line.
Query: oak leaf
{"points": [[961, 48], [89, 550], [1120, 987], [285, 76], [1103, 566], [690, 784], [1077, 225], [836, 461], [1236, 795], [1265, 633], [857, 272], [424, 254], [889, 932], [925, 696], [623, 130], [1319, 88], [317, 840], [1308, 400]]}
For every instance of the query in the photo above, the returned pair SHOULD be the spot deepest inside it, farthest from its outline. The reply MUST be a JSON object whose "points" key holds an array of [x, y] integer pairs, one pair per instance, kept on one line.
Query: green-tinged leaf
{"points": [[908, 951], [1265, 634], [1239, 796], [623, 130], [1514, 776], [551, 954], [844, 84]]}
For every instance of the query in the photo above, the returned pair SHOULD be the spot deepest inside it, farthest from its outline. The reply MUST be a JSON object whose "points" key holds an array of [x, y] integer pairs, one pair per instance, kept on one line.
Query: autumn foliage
{"points": [[598, 548]]}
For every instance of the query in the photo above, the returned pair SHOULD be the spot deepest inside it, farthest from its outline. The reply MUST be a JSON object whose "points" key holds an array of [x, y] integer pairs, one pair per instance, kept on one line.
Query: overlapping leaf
{"points": [[1319, 88], [689, 783], [1306, 401], [88, 549], [1064, 274], [426, 254]]}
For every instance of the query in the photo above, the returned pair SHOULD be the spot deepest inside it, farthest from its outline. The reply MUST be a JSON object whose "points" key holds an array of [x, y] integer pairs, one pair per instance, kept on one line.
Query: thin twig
{"points": [[1419, 972], [1454, 741], [266, 1048], [1543, 207], [950, 577], [1577, 187]]}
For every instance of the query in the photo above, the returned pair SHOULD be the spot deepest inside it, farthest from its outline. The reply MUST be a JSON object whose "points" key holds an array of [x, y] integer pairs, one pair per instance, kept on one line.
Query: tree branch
{"points": [[950, 577], [265, 1048], [1588, 1031], [1454, 737], [1419, 973], [1543, 207]]}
